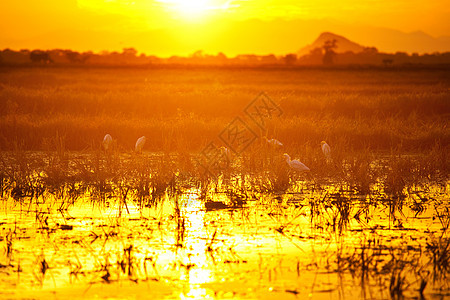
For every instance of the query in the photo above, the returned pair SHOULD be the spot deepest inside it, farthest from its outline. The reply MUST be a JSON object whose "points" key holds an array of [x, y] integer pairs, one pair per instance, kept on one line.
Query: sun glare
{"points": [[194, 8]]}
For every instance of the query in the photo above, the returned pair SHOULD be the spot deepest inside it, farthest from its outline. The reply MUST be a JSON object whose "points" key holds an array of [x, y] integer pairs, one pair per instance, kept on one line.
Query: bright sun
{"points": [[193, 8]]}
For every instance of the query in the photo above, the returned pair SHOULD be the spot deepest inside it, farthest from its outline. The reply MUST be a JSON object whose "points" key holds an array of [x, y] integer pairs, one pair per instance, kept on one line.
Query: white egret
{"points": [[107, 141], [296, 164], [140, 144], [273, 142], [326, 149]]}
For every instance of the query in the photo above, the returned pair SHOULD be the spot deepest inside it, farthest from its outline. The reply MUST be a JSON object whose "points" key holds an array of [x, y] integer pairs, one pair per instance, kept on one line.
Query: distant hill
{"points": [[343, 44]]}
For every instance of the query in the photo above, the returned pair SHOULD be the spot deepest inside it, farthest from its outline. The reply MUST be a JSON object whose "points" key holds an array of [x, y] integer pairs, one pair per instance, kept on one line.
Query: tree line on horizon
{"points": [[320, 56]]}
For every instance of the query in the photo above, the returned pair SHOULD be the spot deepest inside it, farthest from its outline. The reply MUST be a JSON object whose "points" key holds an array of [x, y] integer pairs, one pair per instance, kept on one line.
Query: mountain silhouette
{"points": [[343, 44]]}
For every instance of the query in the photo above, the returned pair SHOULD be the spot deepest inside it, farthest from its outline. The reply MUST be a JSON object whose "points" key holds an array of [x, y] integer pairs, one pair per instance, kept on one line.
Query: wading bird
{"points": [[273, 142], [140, 144], [326, 149], [296, 164], [107, 141]]}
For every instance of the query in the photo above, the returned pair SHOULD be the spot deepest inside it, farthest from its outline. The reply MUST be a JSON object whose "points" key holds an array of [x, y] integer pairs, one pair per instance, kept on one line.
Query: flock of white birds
{"points": [[294, 164], [108, 140]]}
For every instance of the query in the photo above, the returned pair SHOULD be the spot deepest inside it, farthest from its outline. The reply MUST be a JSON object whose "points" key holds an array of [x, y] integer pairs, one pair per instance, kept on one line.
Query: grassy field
{"points": [[179, 222], [388, 126], [380, 110]]}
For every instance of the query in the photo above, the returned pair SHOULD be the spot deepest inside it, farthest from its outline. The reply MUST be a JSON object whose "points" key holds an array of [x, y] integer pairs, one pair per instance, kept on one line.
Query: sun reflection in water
{"points": [[195, 246]]}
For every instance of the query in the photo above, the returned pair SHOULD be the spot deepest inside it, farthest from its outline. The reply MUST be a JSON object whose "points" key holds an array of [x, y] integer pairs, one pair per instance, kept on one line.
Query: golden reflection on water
{"points": [[273, 247], [195, 244]]}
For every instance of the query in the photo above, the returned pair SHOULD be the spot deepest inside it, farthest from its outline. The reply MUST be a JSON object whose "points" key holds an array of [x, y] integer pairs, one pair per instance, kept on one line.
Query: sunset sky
{"points": [[176, 27]]}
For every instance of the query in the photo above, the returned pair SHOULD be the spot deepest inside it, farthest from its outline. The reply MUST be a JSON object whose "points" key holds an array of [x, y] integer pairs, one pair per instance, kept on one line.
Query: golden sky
{"points": [[166, 27]]}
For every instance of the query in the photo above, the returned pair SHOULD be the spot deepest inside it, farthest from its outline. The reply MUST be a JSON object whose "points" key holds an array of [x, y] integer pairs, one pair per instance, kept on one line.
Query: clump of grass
{"points": [[268, 172], [440, 251], [391, 267], [163, 177], [140, 172], [435, 165], [399, 175], [439, 248], [403, 171], [342, 214], [359, 172]]}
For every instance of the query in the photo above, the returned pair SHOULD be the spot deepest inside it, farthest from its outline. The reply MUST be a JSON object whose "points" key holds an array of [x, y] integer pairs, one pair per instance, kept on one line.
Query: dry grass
{"points": [[384, 127], [378, 109]]}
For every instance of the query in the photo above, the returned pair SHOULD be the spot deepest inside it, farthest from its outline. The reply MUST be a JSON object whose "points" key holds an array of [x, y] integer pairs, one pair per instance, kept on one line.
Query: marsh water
{"points": [[223, 239]]}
